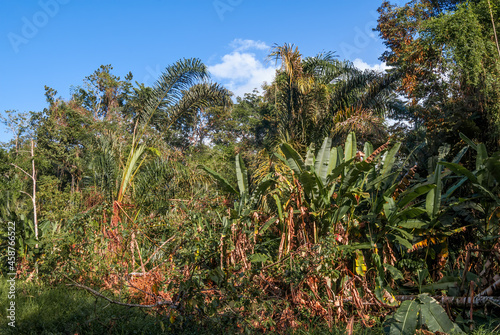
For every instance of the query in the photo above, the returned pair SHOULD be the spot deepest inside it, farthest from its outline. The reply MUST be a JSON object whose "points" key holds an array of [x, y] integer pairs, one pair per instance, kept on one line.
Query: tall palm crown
{"points": [[177, 98], [318, 96]]}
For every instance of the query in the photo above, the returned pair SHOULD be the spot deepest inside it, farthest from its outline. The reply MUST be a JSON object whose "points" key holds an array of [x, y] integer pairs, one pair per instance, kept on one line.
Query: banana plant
{"points": [[413, 314], [247, 203], [439, 222], [321, 177], [338, 185], [388, 214], [360, 194], [485, 179], [181, 89]]}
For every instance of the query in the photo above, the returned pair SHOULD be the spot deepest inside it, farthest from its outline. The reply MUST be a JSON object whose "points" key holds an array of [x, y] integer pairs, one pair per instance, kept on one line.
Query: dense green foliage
{"points": [[298, 210]]}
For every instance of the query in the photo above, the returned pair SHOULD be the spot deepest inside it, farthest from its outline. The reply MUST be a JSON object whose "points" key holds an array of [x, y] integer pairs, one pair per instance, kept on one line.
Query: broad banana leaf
{"points": [[222, 181], [293, 159], [350, 146], [405, 319], [323, 159], [435, 317], [242, 177]]}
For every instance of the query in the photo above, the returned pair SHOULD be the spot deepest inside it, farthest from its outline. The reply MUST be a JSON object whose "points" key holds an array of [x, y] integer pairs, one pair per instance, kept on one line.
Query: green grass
{"points": [[44, 310], [65, 310]]}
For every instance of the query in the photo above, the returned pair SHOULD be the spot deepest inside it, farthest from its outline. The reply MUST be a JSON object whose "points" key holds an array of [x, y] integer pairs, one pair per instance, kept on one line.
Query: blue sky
{"points": [[59, 42]]}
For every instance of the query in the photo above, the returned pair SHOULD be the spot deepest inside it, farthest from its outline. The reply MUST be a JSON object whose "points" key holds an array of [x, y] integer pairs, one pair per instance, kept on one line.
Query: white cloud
{"points": [[236, 66], [242, 72], [239, 44], [382, 67]]}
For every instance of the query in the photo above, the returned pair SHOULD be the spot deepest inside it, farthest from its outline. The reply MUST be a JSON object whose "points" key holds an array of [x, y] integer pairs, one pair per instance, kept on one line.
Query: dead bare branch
{"points": [[98, 294], [495, 286]]}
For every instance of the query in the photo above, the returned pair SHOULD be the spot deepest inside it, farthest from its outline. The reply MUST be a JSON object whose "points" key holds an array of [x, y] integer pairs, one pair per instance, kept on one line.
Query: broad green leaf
{"points": [[293, 159], [455, 187], [481, 157], [241, 176], [260, 190], [412, 224], [310, 156], [363, 166], [405, 318], [31, 242], [403, 242], [354, 177], [435, 317], [395, 273], [222, 181], [340, 155], [334, 161], [414, 193], [356, 246], [433, 200], [350, 146], [486, 191], [309, 182], [460, 170], [258, 258], [409, 213], [216, 275], [468, 141], [368, 149], [390, 158], [339, 213], [388, 162], [459, 156], [278, 205], [335, 173], [493, 165], [389, 207], [441, 285], [323, 159], [268, 224], [351, 180], [403, 233], [378, 180]]}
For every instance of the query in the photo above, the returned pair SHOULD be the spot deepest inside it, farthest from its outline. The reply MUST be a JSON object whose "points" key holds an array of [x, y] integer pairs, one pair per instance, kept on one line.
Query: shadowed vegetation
{"points": [[340, 201]]}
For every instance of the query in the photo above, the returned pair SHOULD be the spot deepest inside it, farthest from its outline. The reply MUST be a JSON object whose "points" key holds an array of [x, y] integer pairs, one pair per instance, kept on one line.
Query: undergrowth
{"points": [[43, 309]]}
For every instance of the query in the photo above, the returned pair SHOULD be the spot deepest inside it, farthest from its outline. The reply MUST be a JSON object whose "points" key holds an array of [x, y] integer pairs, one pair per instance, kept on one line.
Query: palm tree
{"points": [[318, 96], [181, 91]]}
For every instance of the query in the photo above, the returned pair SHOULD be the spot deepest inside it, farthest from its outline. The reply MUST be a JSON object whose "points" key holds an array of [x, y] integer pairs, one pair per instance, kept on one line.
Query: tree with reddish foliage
{"points": [[446, 55]]}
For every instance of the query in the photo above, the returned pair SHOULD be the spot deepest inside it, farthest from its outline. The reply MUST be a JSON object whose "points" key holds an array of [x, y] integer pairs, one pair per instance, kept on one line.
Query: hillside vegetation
{"points": [[338, 200]]}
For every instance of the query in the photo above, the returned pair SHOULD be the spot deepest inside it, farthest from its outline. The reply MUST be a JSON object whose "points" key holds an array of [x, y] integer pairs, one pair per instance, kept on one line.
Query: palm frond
{"points": [[171, 85], [198, 96], [103, 165], [160, 180]]}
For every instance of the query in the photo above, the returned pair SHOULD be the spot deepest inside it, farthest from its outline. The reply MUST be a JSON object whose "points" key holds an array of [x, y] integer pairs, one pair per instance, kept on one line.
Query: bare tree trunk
{"points": [[33, 198], [491, 289], [33, 195], [494, 29]]}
